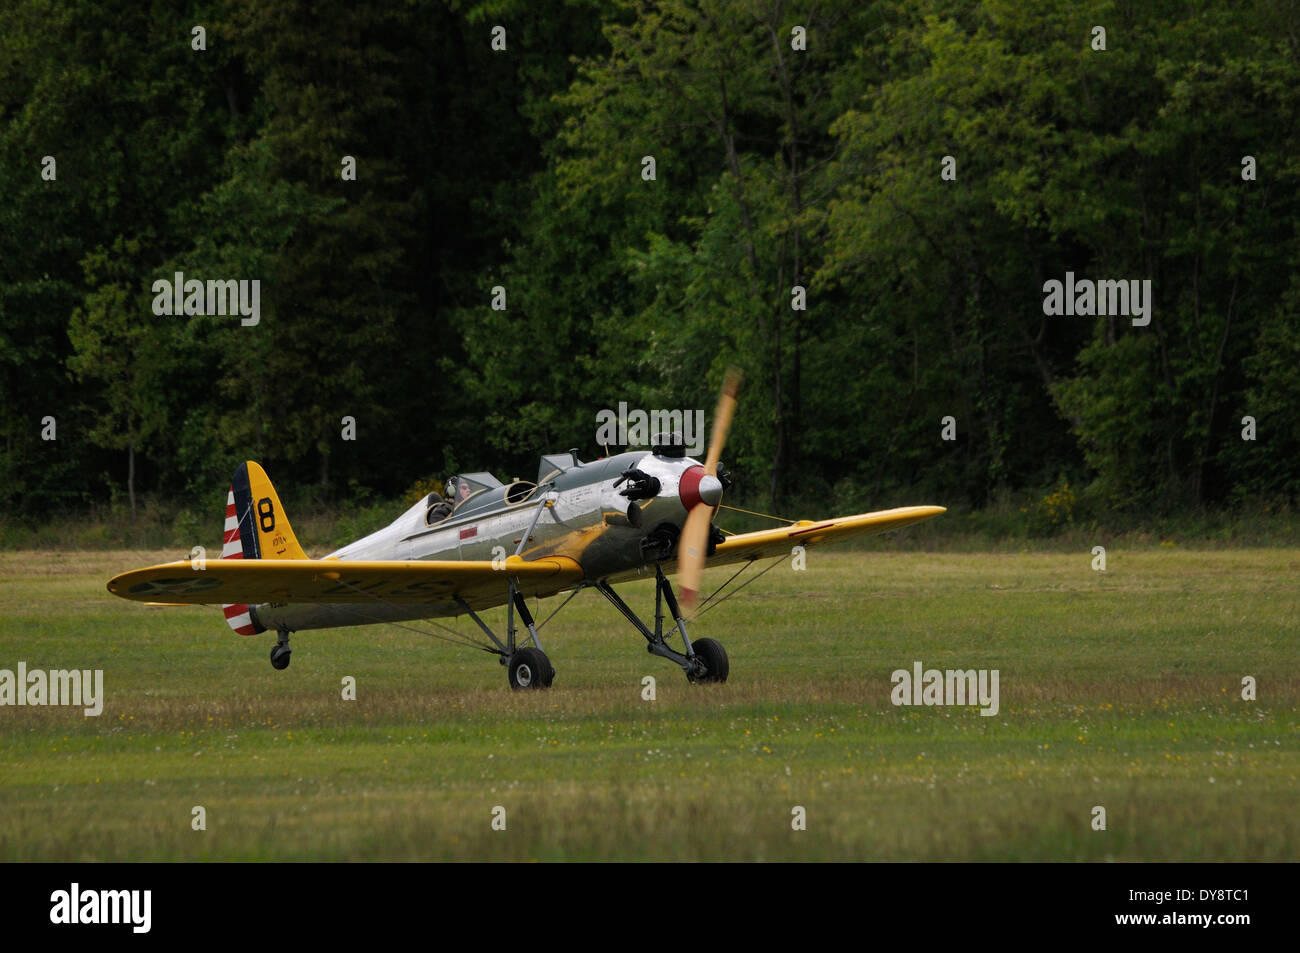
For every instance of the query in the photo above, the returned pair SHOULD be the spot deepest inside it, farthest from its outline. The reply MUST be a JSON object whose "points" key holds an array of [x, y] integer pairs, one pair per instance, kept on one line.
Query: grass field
{"points": [[1120, 689]]}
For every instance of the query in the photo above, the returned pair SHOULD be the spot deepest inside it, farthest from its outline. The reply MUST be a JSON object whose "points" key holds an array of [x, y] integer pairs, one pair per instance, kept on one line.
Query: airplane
{"points": [[486, 544]]}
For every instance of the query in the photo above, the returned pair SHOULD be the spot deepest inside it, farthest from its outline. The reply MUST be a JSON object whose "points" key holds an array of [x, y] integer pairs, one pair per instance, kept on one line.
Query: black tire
{"points": [[714, 658], [280, 658], [530, 668]]}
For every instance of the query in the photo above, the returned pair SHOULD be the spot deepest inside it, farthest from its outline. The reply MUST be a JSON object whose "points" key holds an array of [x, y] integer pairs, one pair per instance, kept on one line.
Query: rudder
{"points": [[264, 529], [255, 528]]}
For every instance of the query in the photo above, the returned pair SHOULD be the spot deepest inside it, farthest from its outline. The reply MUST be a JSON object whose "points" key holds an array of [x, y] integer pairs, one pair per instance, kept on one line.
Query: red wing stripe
{"points": [[812, 529]]}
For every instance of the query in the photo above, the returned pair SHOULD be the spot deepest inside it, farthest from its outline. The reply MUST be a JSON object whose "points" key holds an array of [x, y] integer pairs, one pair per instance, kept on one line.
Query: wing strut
{"points": [[705, 606]]}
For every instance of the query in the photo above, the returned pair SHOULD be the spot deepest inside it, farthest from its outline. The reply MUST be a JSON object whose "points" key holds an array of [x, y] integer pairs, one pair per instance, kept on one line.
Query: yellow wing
{"points": [[777, 542], [255, 581]]}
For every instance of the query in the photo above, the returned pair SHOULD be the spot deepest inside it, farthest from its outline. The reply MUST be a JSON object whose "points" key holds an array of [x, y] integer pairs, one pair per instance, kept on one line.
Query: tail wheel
{"points": [[712, 657], [530, 668], [280, 657]]}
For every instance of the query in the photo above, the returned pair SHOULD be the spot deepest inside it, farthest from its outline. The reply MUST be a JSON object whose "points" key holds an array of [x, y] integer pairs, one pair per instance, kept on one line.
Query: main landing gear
{"points": [[704, 660], [529, 668], [526, 666]]}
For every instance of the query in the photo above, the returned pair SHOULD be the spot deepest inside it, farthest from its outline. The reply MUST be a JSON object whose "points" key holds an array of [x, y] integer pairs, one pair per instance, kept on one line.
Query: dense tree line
{"points": [[652, 189]]}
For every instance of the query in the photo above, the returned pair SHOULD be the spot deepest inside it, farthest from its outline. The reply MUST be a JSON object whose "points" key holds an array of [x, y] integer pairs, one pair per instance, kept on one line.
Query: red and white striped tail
{"points": [[237, 616]]}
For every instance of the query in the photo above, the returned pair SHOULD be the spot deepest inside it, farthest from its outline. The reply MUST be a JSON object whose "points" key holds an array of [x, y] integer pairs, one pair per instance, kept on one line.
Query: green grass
{"points": [[1119, 689]]}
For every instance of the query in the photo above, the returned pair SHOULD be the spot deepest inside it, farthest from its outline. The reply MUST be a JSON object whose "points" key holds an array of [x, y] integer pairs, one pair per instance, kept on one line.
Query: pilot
{"points": [[457, 490]]}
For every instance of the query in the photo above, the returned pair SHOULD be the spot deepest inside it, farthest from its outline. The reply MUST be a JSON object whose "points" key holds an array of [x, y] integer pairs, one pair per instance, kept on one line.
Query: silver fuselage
{"points": [[577, 513]]}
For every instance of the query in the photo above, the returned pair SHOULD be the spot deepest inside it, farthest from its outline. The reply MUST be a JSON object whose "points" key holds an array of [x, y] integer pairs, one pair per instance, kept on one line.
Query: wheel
{"points": [[280, 657], [530, 668], [713, 657]]}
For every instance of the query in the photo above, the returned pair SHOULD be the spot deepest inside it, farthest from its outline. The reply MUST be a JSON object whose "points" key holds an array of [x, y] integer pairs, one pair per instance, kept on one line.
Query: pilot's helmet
{"points": [[449, 488]]}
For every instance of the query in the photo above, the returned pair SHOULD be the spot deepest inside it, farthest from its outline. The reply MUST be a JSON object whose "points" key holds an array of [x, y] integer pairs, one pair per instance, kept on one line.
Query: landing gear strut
{"points": [[280, 653], [704, 661], [528, 666]]}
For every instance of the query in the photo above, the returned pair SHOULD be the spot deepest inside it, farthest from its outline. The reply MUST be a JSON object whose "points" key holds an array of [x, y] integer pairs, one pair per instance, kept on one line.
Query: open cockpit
{"points": [[467, 493]]}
